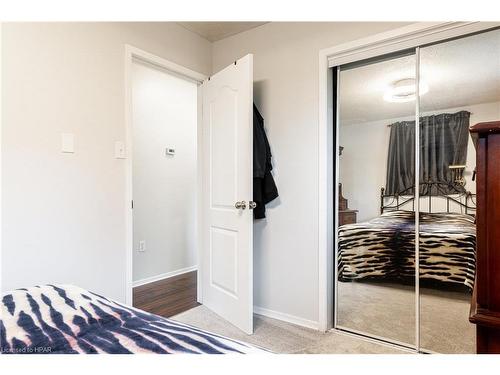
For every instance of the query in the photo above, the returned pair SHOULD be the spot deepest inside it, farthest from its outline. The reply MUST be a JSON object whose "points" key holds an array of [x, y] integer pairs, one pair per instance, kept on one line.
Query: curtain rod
{"points": [[470, 113]]}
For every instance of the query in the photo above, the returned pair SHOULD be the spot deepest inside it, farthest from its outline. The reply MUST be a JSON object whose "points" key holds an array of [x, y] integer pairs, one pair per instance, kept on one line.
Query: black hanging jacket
{"points": [[264, 188]]}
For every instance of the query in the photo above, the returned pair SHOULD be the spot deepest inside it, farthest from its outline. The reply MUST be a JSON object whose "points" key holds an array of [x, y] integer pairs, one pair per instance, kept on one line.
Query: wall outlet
{"points": [[142, 246]]}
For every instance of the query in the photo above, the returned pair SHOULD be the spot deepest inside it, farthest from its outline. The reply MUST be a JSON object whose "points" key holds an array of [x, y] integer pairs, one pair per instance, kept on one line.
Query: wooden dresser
{"points": [[346, 216], [485, 307]]}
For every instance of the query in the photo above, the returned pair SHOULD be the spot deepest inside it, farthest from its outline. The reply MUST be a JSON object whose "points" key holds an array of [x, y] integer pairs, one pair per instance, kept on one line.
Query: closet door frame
{"points": [[409, 37]]}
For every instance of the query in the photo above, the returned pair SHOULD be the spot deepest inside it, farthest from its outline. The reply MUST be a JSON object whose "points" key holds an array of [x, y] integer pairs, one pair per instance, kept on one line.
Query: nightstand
{"points": [[347, 217]]}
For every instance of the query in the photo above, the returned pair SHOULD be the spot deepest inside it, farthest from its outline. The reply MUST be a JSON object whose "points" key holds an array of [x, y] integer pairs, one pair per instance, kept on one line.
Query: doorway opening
{"points": [[208, 196], [163, 113]]}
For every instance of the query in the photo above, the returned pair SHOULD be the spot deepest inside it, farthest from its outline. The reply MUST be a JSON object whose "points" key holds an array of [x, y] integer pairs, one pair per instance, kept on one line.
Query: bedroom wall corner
{"points": [[62, 215]]}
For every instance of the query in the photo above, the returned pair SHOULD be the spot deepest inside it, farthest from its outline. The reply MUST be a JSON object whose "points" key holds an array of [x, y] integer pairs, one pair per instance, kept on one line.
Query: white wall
{"points": [[63, 214], [363, 164], [286, 92], [165, 115]]}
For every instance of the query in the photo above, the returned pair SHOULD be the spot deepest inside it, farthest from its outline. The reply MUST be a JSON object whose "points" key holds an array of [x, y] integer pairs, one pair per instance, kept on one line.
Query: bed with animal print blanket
{"points": [[69, 319], [383, 249]]}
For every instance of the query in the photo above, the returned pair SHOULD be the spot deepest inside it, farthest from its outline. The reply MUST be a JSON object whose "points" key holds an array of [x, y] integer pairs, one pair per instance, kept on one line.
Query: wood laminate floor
{"points": [[167, 297]]}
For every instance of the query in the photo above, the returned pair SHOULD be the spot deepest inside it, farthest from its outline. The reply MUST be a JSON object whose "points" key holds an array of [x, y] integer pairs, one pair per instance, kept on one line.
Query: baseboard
{"points": [[163, 276], [286, 318]]}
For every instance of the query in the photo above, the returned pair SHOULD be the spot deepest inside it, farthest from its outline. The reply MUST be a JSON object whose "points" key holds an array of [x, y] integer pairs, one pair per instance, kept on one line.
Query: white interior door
{"points": [[227, 243]]}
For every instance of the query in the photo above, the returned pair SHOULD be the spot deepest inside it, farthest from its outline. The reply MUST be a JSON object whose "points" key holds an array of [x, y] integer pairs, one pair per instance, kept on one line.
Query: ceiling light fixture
{"points": [[403, 91]]}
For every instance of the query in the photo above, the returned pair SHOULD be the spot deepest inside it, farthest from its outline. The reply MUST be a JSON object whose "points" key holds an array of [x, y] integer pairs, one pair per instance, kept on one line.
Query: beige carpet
{"points": [[281, 337], [379, 309], [388, 310]]}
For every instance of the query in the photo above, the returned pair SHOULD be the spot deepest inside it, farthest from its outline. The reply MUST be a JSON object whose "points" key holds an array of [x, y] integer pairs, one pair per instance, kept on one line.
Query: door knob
{"points": [[252, 205], [240, 205]]}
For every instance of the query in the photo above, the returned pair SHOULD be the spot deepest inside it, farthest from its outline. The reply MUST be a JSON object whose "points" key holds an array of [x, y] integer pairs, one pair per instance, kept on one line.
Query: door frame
{"points": [[132, 53], [410, 36]]}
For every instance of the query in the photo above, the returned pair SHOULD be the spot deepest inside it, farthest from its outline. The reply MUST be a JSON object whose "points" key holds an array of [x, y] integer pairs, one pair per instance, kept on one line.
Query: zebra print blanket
{"points": [[383, 248], [68, 319]]}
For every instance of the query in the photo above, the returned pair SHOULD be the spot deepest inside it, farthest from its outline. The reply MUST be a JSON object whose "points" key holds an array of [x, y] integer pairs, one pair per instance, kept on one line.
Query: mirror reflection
{"points": [[377, 262], [464, 80], [376, 238]]}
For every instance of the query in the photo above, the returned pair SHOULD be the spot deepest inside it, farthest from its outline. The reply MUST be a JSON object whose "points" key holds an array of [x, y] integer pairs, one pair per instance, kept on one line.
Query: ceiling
{"points": [[459, 73], [214, 31]]}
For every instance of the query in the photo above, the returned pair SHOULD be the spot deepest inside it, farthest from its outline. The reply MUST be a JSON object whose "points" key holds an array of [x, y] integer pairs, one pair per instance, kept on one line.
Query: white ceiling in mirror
{"points": [[457, 73], [214, 31], [405, 90]]}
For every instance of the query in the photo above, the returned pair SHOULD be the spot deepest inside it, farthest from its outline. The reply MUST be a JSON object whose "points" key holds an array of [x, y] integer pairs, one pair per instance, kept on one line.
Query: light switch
{"points": [[67, 143], [142, 246], [120, 150]]}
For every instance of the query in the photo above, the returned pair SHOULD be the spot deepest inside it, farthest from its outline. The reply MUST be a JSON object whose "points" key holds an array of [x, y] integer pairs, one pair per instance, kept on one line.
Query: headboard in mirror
{"points": [[460, 202]]}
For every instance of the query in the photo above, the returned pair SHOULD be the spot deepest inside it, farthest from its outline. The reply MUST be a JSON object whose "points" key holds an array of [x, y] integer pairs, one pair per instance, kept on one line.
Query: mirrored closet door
{"points": [[461, 78], [376, 251], [405, 286]]}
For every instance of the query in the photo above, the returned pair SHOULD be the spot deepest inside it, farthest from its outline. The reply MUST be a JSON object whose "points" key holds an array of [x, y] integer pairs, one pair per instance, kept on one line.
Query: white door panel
{"points": [[224, 141], [227, 243]]}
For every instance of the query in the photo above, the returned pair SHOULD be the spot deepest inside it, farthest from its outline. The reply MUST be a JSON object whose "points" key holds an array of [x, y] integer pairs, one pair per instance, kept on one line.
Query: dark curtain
{"points": [[443, 142]]}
